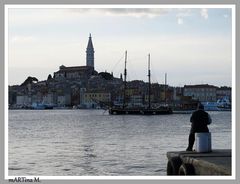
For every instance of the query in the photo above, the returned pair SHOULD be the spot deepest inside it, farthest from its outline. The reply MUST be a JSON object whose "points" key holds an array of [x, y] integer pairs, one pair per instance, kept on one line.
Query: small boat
{"points": [[224, 104], [183, 111], [41, 106], [149, 110], [221, 105], [185, 107], [210, 106]]}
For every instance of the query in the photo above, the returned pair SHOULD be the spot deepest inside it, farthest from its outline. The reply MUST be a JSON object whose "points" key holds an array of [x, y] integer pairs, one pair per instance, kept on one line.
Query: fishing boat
{"points": [[147, 110]]}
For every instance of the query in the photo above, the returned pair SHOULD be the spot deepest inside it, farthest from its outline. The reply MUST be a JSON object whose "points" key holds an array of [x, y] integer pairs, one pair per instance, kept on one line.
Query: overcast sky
{"points": [[191, 45]]}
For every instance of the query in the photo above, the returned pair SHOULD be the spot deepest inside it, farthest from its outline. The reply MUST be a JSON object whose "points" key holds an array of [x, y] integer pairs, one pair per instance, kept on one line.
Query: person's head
{"points": [[200, 106]]}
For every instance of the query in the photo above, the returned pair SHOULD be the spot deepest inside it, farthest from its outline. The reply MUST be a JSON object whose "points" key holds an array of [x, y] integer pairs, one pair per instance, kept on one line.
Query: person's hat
{"points": [[200, 106]]}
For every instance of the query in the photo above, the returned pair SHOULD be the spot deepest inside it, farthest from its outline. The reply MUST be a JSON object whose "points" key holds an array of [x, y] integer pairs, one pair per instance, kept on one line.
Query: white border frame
{"points": [[232, 177]]}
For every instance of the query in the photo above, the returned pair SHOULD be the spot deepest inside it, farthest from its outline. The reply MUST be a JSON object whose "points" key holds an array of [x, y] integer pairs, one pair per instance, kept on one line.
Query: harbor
{"points": [[83, 87], [216, 162], [120, 91], [143, 110]]}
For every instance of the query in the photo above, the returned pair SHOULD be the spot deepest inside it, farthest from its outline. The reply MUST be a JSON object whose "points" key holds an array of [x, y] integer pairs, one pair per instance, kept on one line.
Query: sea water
{"points": [[93, 143]]}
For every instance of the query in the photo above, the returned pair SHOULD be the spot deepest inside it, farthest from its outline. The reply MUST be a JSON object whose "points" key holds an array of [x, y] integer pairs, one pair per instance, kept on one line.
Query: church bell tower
{"points": [[90, 52]]}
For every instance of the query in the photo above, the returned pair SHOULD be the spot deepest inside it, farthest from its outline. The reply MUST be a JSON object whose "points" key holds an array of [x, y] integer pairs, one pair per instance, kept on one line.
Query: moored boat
{"points": [[140, 111], [149, 110], [187, 106], [41, 106]]}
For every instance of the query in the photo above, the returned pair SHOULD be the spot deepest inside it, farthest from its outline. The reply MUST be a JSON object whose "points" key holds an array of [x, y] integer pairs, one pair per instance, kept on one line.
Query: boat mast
{"points": [[125, 80], [149, 83], [165, 88]]}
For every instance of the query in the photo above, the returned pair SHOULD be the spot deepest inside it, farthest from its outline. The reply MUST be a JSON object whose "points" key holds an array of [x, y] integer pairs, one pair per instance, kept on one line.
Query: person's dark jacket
{"points": [[200, 119]]}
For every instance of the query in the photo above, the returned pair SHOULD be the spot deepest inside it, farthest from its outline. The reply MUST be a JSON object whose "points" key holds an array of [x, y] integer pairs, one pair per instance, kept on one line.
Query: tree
{"points": [[29, 80], [49, 77]]}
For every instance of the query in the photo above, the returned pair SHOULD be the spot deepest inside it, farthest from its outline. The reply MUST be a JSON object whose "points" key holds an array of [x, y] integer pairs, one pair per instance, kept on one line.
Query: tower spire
{"points": [[90, 52]]}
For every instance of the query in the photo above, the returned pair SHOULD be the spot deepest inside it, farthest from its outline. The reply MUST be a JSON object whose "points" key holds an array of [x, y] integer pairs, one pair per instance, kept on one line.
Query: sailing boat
{"points": [[149, 110]]}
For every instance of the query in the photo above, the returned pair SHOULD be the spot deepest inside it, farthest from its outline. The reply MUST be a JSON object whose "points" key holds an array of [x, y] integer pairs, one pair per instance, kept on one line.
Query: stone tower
{"points": [[90, 53]]}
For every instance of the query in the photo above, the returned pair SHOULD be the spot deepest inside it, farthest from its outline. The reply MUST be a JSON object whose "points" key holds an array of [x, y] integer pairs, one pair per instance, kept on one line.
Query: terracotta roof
{"points": [[200, 86], [225, 88], [74, 68]]}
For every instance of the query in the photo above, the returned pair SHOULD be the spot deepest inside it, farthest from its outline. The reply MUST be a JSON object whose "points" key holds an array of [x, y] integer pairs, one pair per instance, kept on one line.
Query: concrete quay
{"points": [[217, 162]]}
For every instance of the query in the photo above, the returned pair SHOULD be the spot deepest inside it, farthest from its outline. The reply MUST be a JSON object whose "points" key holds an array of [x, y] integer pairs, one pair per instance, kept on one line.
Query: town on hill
{"points": [[84, 87]]}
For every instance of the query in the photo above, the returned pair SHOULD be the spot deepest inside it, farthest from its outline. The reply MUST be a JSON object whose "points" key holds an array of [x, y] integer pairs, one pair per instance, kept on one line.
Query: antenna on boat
{"points": [[149, 83], [125, 80]]}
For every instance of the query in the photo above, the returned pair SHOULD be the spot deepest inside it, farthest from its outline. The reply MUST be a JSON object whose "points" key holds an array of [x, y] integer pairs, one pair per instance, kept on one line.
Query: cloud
{"points": [[181, 14], [180, 21], [184, 12], [41, 16], [132, 12], [22, 39], [226, 16], [22, 17], [204, 13]]}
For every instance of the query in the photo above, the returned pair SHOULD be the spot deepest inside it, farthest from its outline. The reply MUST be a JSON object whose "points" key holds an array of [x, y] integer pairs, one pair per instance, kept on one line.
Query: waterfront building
{"points": [[224, 92], [177, 93], [201, 92], [36, 98], [136, 87], [104, 81], [146, 99], [81, 96], [95, 99], [136, 101], [166, 93], [64, 100], [75, 95], [12, 94], [156, 92], [50, 98], [23, 100], [118, 100]]}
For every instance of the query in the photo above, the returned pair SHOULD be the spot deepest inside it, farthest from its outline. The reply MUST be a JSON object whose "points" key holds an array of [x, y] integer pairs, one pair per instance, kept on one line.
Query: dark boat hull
{"points": [[119, 111]]}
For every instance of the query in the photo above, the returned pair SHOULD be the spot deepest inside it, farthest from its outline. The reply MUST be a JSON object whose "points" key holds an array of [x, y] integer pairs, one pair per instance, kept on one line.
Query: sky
{"points": [[191, 45]]}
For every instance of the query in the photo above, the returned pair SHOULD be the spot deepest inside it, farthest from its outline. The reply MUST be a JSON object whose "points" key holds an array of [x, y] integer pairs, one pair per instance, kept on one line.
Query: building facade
{"points": [[74, 72], [202, 92], [95, 99], [224, 92]]}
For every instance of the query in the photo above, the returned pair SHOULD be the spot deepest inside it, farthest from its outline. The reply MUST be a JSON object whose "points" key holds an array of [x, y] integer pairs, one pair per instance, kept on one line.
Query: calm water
{"points": [[91, 142]]}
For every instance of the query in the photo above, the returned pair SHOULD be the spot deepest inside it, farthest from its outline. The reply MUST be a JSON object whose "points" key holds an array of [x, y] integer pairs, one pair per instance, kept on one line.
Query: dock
{"points": [[216, 162]]}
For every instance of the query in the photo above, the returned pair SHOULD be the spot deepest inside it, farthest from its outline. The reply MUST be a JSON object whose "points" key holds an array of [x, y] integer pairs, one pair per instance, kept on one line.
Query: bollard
{"points": [[203, 142]]}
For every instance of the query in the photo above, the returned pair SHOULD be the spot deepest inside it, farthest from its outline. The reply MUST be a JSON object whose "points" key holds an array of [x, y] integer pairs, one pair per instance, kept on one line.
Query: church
{"points": [[79, 72]]}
